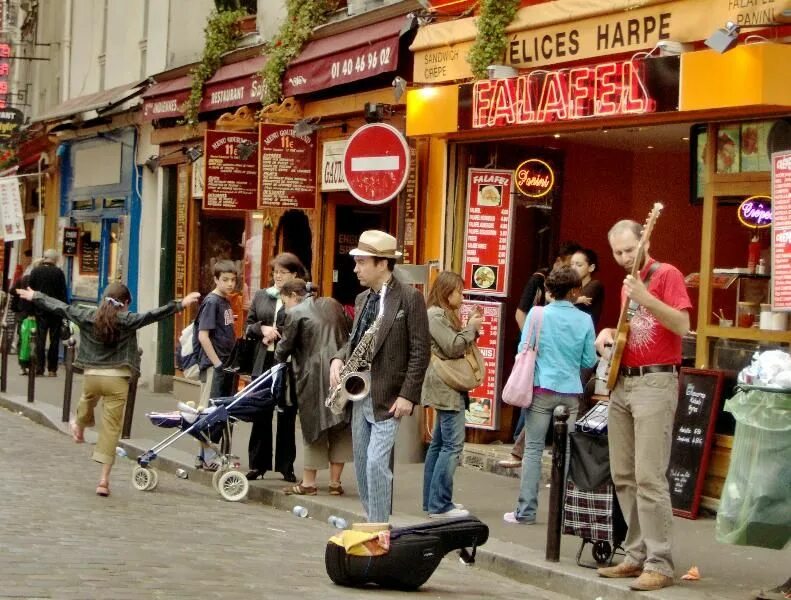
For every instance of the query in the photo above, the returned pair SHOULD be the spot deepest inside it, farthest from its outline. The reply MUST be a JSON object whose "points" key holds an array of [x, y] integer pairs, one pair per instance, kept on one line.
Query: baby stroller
{"points": [[214, 423], [591, 509]]}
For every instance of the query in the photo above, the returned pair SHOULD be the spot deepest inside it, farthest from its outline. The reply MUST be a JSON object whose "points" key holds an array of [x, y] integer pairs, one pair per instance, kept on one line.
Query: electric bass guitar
{"points": [[630, 306]]}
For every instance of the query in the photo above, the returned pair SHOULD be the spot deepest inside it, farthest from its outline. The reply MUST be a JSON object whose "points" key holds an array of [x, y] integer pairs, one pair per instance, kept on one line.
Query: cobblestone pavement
{"points": [[59, 540]]}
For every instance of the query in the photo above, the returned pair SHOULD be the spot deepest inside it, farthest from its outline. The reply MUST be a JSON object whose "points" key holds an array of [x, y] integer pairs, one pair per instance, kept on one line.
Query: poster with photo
{"points": [[700, 139], [728, 144], [483, 411], [754, 151]]}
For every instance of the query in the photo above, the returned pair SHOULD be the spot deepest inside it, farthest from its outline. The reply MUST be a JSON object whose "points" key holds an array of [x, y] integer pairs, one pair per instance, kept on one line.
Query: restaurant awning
{"points": [[98, 101], [232, 85], [347, 57]]}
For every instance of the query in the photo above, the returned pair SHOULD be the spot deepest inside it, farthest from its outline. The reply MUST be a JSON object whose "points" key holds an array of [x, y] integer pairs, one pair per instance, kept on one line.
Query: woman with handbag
{"points": [[562, 338], [450, 343], [313, 332], [264, 323]]}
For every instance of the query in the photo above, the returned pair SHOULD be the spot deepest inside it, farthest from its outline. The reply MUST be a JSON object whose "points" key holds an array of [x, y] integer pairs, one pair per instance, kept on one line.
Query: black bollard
{"points": [[5, 345], [557, 485], [129, 410], [33, 365], [68, 361]]}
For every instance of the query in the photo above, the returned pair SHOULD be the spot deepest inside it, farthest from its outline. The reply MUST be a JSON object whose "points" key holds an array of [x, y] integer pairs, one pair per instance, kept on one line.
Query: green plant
{"points": [[221, 34], [249, 5], [302, 17], [491, 42]]}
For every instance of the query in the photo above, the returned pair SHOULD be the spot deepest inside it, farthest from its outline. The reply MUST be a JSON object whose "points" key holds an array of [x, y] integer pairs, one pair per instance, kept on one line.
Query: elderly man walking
{"points": [[48, 278]]}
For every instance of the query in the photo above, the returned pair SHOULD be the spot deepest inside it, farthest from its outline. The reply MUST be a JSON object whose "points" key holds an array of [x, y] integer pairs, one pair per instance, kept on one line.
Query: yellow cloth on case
{"points": [[363, 543]]}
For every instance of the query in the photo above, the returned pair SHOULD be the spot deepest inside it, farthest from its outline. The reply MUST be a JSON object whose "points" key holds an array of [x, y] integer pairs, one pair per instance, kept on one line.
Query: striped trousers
{"points": [[373, 441]]}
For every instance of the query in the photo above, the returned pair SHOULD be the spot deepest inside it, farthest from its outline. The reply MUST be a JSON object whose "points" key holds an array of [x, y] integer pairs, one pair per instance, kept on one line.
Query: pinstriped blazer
{"points": [[402, 348]]}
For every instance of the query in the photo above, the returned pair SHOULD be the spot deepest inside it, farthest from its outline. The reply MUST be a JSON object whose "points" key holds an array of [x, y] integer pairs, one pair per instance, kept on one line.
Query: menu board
{"points": [[12, 218], [182, 214], [410, 210], [487, 233], [699, 393], [89, 257], [288, 168], [483, 412], [781, 231], [229, 182], [71, 241]]}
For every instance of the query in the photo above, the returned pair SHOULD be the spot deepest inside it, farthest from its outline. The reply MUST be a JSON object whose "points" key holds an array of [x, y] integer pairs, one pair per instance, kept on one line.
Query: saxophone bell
{"points": [[356, 386]]}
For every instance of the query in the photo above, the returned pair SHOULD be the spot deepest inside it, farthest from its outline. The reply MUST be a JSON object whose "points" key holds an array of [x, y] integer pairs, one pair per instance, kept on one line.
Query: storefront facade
{"points": [[602, 129]]}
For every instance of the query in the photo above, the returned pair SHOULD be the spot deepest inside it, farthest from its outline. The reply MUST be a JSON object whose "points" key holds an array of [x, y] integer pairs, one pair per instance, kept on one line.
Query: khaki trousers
{"points": [[640, 426], [334, 445], [113, 392]]}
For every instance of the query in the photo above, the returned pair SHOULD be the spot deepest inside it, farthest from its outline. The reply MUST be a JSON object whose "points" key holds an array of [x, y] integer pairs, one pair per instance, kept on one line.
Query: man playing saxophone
{"points": [[398, 360]]}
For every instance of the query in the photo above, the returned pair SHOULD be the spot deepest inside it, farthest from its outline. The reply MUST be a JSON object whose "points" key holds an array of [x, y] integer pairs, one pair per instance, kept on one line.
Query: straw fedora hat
{"points": [[376, 243]]}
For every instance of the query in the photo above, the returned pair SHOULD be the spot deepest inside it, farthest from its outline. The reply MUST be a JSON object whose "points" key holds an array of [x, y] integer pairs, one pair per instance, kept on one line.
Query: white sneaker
{"points": [[453, 513], [458, 505]]}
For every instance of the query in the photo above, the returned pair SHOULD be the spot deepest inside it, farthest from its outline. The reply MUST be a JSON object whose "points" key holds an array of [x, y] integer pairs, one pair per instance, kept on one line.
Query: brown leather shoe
{"points": [[620, 571], [651, 580]]}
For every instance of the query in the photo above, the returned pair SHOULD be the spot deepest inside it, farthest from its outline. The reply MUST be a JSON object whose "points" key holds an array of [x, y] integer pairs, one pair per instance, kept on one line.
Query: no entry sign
{"points": [[376, 163]]}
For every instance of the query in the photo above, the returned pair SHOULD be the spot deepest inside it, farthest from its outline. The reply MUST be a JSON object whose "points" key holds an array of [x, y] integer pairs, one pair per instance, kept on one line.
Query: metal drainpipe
{"points": [[66, 50]]}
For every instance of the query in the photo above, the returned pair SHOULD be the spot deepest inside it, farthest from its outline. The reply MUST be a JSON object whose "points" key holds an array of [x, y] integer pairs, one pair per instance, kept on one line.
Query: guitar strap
{"points": [[651, 270]]}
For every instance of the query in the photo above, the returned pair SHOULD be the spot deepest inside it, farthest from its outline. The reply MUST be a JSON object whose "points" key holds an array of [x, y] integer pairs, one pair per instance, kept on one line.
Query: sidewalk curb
{"points": [[496, 556]]}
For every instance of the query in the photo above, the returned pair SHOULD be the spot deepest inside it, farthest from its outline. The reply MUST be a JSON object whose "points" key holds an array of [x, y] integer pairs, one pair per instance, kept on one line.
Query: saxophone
{"points": [[355, 378]]}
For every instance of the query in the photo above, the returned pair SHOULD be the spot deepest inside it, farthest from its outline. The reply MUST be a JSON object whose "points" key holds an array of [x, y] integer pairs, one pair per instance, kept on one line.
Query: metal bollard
{"points": [[129, 411], [68, 361], [557, 487], [33, 366], [5, 344]]}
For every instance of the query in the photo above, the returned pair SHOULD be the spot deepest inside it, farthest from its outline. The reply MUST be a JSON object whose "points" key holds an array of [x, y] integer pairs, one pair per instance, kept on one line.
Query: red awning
{"points": [[346, 57], [234, 84]]}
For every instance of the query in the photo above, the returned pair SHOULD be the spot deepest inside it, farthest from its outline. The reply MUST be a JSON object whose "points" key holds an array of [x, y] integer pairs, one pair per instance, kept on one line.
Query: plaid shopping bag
{"points": [[589, 514]]}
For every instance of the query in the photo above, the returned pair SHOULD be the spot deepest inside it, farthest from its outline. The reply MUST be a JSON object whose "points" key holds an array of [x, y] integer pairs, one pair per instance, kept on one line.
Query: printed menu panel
{"points": [[487, 232], [288, 168], [230, 182], [781, 231], [483, 412]]}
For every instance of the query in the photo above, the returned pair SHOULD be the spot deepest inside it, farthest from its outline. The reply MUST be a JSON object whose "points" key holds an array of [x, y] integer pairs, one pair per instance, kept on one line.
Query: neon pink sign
{"points": [[613, 88]]}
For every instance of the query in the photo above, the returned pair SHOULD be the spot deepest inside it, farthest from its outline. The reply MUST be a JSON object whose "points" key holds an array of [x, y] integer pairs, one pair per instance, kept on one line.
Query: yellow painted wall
{"points": [[432, 110]]}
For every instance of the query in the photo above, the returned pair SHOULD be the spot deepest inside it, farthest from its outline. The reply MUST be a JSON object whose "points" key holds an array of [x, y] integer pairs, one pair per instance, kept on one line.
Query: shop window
{"points": [[294, 235], [114, 202], [78, 205], [85, 267]]}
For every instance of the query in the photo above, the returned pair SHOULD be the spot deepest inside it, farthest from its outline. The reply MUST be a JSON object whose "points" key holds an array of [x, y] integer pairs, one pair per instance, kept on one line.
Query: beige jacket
{"points": [[446, 342]]}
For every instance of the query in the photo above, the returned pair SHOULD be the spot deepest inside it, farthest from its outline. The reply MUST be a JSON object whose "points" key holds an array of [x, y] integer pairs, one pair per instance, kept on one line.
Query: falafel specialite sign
{"points": [[544, 96]]}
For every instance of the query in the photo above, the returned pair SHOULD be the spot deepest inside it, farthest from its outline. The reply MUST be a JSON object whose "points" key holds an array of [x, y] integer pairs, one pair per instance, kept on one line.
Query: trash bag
{"points": [[755, 507]]}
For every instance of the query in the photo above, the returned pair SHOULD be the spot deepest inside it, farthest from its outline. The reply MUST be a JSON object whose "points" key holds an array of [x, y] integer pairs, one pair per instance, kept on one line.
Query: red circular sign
{"points": [[376, 163]]}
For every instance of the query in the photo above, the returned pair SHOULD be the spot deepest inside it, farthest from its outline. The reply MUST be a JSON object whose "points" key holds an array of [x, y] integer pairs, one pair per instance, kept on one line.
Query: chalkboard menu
{"points": [[288, 168], [229, 180], [699, 394], [71, 241], [89, 257]]}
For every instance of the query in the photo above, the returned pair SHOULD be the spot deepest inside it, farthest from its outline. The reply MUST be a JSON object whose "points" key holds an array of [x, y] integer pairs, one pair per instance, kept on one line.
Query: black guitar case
{"points": [[415, 553]]}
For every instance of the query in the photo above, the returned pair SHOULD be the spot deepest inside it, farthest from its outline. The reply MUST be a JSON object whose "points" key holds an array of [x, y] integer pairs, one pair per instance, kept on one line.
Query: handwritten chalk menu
{"points": [[693, 432], [71, 241], [483, 412], [230, 183], [781, 231], [288, 168], [487, 232], [89, 257]]}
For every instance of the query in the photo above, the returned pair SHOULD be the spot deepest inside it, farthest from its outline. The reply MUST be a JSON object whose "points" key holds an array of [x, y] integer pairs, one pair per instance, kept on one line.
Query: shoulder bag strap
{"points": [[540, 318]]}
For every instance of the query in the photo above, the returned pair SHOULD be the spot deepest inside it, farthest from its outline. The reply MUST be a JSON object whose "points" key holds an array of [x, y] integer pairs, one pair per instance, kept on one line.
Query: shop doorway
{"points": [[294, 235], [222, 239], [351, 219]]}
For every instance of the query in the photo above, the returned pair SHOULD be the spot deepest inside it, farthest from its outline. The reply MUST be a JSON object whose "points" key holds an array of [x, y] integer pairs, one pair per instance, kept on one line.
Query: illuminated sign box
{"points": [[542, 96]]}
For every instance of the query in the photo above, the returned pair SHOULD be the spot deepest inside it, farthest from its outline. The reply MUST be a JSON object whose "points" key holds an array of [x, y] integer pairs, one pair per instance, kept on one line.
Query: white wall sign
{"points": [[12, 219], [332, 178]]}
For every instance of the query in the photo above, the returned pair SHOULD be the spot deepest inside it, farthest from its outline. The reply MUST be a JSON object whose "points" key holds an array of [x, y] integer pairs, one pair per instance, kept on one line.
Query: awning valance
{"points": [[232, 85], [346, 57]]}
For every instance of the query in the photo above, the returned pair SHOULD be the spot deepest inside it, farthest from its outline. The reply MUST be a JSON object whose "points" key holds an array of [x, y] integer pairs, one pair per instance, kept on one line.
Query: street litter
{"points": [[692, 575]]}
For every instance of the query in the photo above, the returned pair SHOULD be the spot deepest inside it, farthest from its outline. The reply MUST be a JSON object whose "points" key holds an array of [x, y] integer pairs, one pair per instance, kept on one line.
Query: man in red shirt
{"points": [[643, 407]]}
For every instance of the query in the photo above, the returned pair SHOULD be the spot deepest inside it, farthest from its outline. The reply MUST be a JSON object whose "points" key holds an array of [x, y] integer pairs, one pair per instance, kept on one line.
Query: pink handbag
{"points": [[518, 390]]}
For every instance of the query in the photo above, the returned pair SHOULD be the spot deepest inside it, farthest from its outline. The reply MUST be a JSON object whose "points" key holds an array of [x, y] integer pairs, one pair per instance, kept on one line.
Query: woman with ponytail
{"points": [[109, 355]]}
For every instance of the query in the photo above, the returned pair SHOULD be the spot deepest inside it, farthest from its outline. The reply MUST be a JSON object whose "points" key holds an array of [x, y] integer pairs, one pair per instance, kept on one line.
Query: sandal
{"points": [[103, 489], [77, 432], [336, 489], [301, 490]]}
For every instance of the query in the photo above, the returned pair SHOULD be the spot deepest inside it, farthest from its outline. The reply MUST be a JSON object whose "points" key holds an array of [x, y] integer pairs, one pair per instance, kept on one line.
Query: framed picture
{"points": [[728, 148], [697, 163], [754, 155]]}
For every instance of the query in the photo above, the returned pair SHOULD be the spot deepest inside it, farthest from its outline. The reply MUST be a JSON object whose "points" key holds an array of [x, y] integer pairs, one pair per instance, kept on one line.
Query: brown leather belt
{"points": [[638, 371]]}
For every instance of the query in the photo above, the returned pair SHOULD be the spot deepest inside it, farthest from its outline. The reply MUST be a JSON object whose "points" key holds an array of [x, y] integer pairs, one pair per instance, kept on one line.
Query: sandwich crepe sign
{"points": [[487, 232]]}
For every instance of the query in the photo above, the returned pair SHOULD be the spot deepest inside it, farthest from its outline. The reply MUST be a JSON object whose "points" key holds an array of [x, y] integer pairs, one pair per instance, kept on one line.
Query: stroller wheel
{"points": [[154, 480], [142, 478], [602, 552], [215, 479], [233, 486]]}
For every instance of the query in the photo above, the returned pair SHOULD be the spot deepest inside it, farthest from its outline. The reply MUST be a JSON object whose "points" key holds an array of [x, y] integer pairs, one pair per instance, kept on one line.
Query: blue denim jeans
{"points": [[538, 419], [441, 460]]}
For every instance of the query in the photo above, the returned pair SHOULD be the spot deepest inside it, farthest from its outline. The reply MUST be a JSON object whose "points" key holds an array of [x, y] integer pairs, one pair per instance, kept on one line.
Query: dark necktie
{"points": [[370, 311]]}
